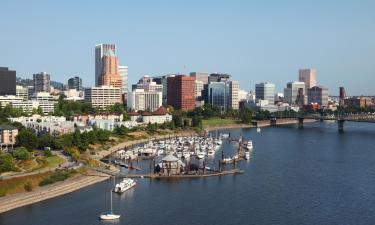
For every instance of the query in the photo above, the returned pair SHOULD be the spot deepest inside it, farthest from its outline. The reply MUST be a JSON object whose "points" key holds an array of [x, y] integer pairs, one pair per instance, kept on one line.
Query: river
{"points": [[313, 175]]}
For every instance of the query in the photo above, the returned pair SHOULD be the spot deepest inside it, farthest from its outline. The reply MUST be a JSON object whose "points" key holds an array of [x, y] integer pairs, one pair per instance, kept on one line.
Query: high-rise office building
{"points": [[163, 80], [200, 76], [148, 84], [319, 95], [41, 82], [217, 77], [308, 76], [342, 96], [100, 50], [223, 94], [7, 81], [265, 91], [75, 83], [293, 93], [199, 85], [234, 88], [181, 92], [110, 75], [123, 71]]}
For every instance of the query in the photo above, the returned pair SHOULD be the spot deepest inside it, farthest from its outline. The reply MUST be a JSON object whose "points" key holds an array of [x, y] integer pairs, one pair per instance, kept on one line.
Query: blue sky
{"points": [[255, 41]]}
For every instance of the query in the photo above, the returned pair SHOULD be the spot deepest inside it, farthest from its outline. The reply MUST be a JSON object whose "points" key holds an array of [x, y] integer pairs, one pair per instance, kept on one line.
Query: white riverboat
{"points": [[124, 185]]}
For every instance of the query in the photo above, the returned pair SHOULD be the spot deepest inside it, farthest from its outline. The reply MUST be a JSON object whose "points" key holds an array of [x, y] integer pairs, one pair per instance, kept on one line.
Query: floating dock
{"points": [[156, 176]]}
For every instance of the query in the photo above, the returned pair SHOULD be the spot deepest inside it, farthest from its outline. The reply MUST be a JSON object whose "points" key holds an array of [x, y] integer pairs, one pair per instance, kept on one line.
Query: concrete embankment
{"points": [[22, 199]]}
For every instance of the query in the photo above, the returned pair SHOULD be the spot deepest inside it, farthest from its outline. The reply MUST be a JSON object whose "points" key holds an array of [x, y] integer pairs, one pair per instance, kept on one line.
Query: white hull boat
{"points": [[124, 185]]}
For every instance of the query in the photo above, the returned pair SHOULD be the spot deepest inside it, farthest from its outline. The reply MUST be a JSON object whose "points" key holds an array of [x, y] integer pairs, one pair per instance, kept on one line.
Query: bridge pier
{"points": [[300, 122], [340, 124]]}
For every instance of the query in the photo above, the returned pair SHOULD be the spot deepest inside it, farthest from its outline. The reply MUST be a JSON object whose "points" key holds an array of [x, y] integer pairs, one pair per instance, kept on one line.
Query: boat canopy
{"points": [[169, 158]]}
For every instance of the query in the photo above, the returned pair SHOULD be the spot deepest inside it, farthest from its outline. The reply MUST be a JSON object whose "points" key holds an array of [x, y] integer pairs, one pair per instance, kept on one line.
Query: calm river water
{"points": [[296, 176]]}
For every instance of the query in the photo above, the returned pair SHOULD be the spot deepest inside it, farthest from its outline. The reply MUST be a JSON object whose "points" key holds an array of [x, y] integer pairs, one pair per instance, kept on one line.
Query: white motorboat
{"points": [[211, 152], [247, 155], [109, 215], [249, 145], [227, 160], [200, 155], [258, 130], [224, 135], [124, 185], [186, 155]]}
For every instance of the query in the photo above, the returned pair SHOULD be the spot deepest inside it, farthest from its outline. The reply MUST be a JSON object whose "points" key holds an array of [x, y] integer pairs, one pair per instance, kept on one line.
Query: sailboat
{"points": [[109, 215]]}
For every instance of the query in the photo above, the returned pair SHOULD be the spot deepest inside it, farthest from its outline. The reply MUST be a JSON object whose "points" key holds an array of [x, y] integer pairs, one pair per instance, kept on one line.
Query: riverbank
{"points": [[42, 193]]}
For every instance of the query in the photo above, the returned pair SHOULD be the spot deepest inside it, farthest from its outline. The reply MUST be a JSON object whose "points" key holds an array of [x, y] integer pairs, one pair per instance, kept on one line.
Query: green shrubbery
{"points": [[21, 153], [55, 177]]}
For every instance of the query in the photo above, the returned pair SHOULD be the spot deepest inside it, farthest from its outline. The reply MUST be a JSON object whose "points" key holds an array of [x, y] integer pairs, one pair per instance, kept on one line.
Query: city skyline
{"points": [[252, 49]]}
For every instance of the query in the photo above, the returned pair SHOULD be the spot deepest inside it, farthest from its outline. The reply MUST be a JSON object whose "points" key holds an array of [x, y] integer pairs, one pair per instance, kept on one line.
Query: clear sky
{"points": [[255, 41]]}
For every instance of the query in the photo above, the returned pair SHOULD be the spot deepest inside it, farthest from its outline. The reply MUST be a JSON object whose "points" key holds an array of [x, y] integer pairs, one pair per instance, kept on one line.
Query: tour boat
{"points": [[109, 215], [124, 185]]}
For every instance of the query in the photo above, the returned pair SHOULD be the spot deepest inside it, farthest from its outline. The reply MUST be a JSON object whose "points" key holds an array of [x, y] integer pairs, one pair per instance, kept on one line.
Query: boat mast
{"points": [[111, 203]]}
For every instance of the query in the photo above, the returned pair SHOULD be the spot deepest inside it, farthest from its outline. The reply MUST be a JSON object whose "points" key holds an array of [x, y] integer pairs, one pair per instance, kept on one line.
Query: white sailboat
{"points": [[109, 215]]}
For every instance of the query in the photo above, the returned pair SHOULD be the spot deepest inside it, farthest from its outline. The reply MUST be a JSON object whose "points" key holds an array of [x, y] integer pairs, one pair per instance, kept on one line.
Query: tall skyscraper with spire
{"points": [[100, 50], [110, 75]]}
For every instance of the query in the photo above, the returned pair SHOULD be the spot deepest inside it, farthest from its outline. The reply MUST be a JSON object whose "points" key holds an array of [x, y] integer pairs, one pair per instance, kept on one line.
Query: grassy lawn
{"points": [[215, 122], [53, 161]]}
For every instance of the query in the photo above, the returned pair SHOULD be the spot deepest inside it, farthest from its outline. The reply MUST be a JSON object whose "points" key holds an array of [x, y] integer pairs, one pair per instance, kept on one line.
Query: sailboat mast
{"points": [[111, 203]]}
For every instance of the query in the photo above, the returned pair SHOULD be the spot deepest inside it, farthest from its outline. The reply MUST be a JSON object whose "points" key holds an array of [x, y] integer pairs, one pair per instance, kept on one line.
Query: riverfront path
{"points": [[50, 191]]}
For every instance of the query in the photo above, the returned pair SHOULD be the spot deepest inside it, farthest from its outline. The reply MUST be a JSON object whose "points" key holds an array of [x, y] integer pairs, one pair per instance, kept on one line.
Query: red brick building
{"points": [[181, 92]]}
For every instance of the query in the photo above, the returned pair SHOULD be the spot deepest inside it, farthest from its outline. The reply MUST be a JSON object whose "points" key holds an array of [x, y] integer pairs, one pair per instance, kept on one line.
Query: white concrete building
{"points": [[159, 116], [103, 96], [22, 92], [139, 99]]}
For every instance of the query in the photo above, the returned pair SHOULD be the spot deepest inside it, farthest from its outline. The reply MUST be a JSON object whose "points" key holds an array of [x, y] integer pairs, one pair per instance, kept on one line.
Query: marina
{"points": [[181, 157]]}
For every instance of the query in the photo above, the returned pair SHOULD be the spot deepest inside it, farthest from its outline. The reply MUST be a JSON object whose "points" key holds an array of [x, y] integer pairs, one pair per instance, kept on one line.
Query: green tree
{"points": [[246, 115], [92, 137], [76, 137], [47, 153], [152, 127], [85, 141], [46, 140], [103, 135], [197, 121], [27, 139], [6, 162], [21, 153]]}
